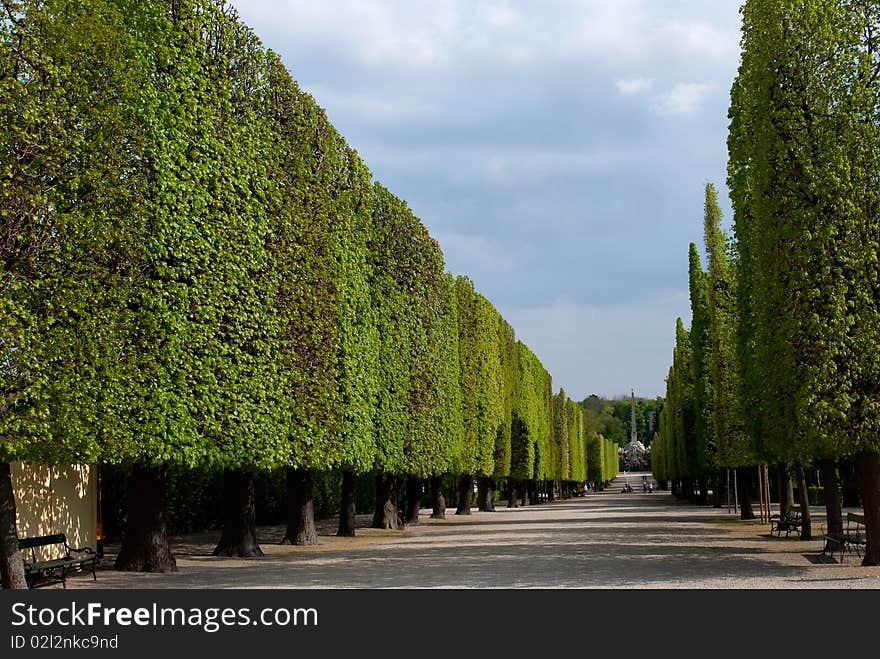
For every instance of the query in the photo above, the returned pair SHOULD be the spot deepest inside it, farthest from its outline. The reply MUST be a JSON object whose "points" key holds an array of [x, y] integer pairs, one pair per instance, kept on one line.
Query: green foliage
{"points": [[683, 410], [568, 449], [701, 347], [559, 447], [443, 338], [733, 447], [308, 248], [803, 163], [416, 427], [509, 363], [611, 418], [576, 469], [531, 427], [68, 139], [602, 462], [198, 271], [480, 380]]}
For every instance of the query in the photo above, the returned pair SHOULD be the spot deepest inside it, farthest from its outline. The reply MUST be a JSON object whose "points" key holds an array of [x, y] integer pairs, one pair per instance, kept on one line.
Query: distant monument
{"points": [[633, 437], [634, 452]]}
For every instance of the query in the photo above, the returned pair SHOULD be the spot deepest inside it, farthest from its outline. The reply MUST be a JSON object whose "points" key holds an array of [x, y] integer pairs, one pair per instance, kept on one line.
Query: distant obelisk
{"points": [[633, 436]]}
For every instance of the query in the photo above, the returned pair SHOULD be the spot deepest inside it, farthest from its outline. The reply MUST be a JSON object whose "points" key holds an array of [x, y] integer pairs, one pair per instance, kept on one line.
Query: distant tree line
{"points": [[781, 364], [198, 272], [611, 417]]}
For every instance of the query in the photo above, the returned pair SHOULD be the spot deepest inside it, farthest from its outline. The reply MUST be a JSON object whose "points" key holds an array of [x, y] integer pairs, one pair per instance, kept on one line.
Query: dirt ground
{"points": [[604, 540]]}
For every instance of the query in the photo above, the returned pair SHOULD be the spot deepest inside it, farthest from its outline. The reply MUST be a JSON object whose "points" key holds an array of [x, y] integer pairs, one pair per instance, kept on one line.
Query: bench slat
{"points": [[42, 541]]}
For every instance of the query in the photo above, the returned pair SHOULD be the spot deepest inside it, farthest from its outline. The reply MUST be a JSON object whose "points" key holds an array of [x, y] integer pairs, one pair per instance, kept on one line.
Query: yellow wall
{"points": [[56, 500]]}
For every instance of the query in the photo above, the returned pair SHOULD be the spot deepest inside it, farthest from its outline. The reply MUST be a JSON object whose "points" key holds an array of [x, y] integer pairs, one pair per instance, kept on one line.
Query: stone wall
{"points": [[56, 500]]}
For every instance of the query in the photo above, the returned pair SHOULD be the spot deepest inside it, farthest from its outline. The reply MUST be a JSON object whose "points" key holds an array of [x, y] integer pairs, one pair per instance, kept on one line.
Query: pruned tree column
{"points": [[239, 536], [145, 545], [300, 509]]}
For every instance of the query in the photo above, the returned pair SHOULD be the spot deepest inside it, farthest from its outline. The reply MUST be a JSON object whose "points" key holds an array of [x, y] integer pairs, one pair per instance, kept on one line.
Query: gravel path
{"points": [[605, 540]]}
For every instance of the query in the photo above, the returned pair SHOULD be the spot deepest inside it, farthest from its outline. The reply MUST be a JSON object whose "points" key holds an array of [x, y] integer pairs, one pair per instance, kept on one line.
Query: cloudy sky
{"points": [[557, 150]]}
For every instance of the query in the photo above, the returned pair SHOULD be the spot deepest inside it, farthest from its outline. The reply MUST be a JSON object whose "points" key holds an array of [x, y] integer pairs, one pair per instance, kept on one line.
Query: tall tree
{"points": [[70, 187], [701, 347], [734, 448], [805, 163], [508, 361], [481, 387]]}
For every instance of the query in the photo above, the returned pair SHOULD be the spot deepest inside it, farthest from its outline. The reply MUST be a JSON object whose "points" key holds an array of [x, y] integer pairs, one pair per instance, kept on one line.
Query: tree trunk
{"points": [[239, 537], [717, 486], [466, 490], [11, 562], [485, 501], [786, 493], [833, 513], [385, 515], [525, 493], [551, 487], [413, 499], [346, 505], [511, 494], [437, 500], [704, 489], [533, 493], [145, 545], [868, 467], [804, 496], [744, 492], [300, 509], [687, 489]]}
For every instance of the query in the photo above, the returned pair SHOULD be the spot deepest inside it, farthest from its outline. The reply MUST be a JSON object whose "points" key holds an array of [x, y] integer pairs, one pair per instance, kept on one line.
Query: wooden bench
{"points": [[56, 567], [789, 522], [853, 536]]}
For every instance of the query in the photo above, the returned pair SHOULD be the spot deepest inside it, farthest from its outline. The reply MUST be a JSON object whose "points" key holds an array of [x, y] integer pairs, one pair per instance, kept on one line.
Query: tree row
{"points": [[782, 361], [197, 270]]}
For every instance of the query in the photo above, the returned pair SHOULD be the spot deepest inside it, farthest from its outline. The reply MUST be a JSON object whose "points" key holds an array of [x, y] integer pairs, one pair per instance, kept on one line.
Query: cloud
{"points": [[702, 37], [415, 36], [684, 98], [374, 108], [633, 86], [467, 253], [602, 350], [534, 141]]}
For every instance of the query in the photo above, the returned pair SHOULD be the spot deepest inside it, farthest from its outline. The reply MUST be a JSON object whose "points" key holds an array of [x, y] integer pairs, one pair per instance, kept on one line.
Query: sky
{"points": [[557, 150]]}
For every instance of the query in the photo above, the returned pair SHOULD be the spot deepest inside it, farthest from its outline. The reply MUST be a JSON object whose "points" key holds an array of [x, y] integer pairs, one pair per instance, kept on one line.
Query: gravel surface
{"points": [[604, 540]]}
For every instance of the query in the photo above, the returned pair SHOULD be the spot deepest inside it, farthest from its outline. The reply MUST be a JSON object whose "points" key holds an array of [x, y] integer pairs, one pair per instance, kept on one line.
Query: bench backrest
{"points": [[42, 541], [855, 518], [794, 510]]}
